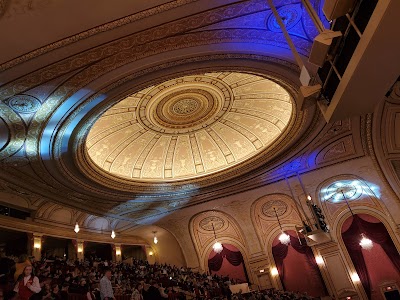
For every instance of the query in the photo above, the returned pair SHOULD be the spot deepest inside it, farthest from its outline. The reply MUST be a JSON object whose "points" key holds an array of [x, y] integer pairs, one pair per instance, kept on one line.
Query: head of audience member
{"points": [[54, 288], [28, 271], [23, 258], [107, 273]]}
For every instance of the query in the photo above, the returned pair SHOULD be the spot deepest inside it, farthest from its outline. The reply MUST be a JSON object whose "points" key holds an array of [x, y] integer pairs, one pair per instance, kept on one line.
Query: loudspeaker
{"points": [[307, 95], [334, 9], [321, 45]]}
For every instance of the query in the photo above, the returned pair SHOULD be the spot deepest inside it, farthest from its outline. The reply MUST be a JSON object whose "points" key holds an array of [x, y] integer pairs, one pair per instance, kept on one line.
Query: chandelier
{"points": [[217, 247], [365, 242], [155, 239], [76, 229], [283, 238]]}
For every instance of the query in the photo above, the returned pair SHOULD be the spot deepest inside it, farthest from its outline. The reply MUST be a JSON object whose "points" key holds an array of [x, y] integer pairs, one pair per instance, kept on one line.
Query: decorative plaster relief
{"points": [[290, 14], [273, 208], [189, 126], [208, 223]]}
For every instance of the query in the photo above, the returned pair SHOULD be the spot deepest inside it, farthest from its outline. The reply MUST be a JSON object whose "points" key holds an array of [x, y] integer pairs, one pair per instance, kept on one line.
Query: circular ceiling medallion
{"points": [[185, 106], [273, 208], [24, 104], [207, 223], [190, 127]]}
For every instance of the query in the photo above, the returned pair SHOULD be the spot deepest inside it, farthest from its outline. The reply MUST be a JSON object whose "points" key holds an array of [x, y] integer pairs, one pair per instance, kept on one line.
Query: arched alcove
{"points": [[376, 267], [297, 267], [229, 262], [227, 231]]}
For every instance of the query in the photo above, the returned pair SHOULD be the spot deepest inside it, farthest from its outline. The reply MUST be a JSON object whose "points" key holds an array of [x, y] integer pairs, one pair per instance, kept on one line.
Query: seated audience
{"points": [[94, 279]]}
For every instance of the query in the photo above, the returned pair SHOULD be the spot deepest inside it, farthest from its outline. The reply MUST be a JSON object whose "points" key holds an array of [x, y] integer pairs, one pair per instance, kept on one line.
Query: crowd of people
{"points": [[61, 279]]}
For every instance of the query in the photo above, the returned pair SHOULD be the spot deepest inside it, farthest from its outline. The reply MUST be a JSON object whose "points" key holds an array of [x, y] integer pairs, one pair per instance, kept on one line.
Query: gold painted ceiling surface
{"points": [[189, 127]]}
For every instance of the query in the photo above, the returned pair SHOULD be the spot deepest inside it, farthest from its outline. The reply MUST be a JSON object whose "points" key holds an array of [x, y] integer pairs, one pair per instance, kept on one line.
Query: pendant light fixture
{"points": [[365, 242], [283, 238], [217, 247], [76, 229], [155, 239]]}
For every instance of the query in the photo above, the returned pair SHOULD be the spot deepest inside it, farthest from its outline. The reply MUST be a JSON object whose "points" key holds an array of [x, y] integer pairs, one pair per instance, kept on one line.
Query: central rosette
{"points": [[183, 108]]}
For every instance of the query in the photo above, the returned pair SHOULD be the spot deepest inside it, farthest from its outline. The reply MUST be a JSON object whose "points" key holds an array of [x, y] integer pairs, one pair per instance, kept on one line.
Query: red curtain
{"points": [[378, 234], [235, 258], [280, 251]]}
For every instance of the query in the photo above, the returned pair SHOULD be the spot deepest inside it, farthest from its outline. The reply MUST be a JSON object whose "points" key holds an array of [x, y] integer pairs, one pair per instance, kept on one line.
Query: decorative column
{"points": [[274, 277], [150, 255], [260, 268], [341, 282], [37, 246], [29, 243]]}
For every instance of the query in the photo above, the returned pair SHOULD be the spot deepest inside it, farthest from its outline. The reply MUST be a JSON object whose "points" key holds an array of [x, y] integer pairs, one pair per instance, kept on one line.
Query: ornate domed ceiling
{"points": [[190, 126]]}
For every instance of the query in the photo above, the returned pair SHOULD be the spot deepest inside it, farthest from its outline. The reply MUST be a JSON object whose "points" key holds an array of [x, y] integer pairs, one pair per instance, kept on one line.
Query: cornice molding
{"points": [[90, 32], [61, 232]]}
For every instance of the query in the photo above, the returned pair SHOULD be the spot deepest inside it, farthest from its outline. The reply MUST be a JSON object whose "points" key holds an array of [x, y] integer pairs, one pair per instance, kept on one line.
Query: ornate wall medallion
{"points": [[207, 223], [269, 208]]}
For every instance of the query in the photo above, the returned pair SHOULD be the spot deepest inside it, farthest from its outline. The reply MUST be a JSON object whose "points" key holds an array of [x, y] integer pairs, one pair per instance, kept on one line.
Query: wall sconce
{"points": [[80, 249], [118, 252], [151, 253], [319, 260], [355, 277], [262, 271], [274, 271], [113, 234], [37, 242]]}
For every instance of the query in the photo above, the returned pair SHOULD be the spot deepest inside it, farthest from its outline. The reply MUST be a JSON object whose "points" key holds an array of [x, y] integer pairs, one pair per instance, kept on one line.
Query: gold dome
{"points": [[190, 126]]}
